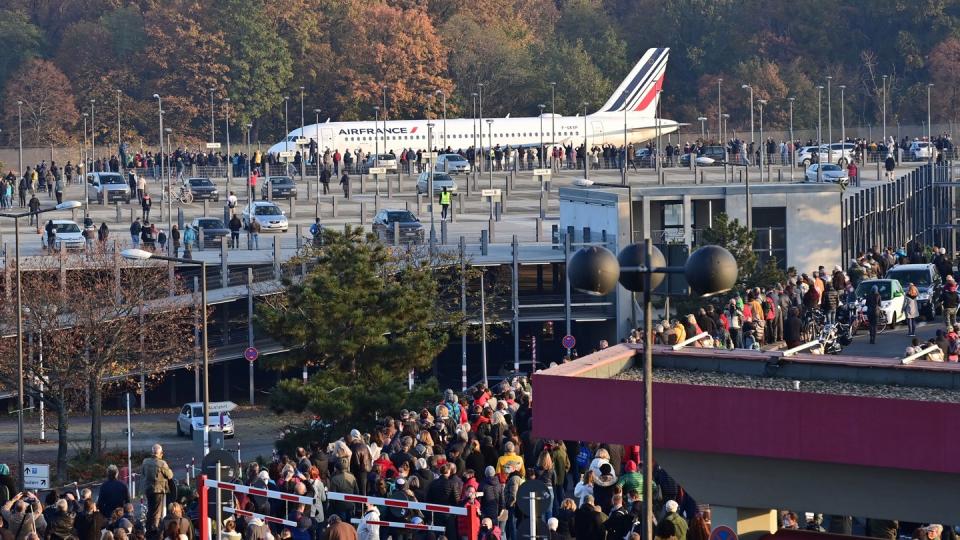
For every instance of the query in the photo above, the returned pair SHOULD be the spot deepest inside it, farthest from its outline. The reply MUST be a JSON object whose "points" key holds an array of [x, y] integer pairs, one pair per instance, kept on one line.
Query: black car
{"points": [[283, 187], [716, 153], [928, 282], [213, 230], [203, 189], [411, 230]]}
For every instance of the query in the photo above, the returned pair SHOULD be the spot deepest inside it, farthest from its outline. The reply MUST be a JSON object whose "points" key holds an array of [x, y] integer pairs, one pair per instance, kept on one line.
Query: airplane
{"points": [[634, 103]]}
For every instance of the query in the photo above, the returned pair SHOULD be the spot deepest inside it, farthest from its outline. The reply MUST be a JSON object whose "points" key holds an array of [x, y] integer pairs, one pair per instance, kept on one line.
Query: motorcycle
{"points": [[829, 340]]}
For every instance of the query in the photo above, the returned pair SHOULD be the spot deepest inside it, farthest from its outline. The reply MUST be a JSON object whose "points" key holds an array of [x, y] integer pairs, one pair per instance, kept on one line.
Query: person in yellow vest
{"points": [[444, 203]]}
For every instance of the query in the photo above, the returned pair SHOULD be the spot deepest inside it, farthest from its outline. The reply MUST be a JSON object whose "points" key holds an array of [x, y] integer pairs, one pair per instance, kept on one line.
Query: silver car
{"points": [[452, 164], [109, 187], [440, 180], [829, 173], [387, 161]]}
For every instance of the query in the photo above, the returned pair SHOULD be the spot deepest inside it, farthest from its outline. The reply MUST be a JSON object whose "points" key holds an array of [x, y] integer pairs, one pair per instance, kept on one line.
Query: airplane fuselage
{"points": [[463, 133]]}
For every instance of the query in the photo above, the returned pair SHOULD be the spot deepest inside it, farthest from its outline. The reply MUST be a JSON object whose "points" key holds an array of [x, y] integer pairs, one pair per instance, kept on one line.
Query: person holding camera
{"points": [[23, 515]]}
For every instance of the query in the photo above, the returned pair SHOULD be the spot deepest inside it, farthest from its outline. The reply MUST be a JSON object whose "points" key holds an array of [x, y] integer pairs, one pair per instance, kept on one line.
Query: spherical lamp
{"points": [[593, 270], [711, 270], [633, 256]]}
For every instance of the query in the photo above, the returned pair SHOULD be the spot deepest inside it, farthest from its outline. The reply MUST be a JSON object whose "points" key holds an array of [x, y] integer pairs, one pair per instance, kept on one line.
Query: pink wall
{"points": [[763, 423]]}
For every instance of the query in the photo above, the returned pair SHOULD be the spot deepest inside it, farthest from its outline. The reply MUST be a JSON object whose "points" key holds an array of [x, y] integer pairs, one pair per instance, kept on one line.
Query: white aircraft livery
{"points": [[632, 107]]}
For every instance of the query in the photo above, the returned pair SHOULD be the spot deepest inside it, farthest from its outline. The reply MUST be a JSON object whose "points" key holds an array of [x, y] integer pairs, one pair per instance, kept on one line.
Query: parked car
{"points": [[711, 155], [440, 181], [281, 187], [268, 214], [213, 230], [190, 419], [452, 164], [68, 235], [107, 186], [928, 282], [891, 298], [828, 173], [842, 154], [203, 189], [920, 150], [387, 161], [411, 230]]}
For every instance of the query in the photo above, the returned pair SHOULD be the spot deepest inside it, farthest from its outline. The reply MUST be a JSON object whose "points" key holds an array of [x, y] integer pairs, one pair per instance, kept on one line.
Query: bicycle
{"points": [[183, 195]]}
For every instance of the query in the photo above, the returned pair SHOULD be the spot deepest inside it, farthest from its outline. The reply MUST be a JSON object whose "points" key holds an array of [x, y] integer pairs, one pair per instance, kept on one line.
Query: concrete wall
{"points": [[767, 449]]}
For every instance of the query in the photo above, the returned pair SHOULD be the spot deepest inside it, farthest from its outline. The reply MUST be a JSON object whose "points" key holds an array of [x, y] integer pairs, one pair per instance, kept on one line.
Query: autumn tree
{"points": [[401, 54], [22, 40], [49, 106]]}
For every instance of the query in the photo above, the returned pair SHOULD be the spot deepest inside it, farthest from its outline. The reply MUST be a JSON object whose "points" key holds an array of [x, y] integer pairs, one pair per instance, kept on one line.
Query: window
{"points": [[672, 214]]}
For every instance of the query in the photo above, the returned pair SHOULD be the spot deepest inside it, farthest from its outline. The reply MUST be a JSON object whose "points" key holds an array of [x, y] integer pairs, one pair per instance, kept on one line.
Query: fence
{"points": [[917, 207], [206, 484]]}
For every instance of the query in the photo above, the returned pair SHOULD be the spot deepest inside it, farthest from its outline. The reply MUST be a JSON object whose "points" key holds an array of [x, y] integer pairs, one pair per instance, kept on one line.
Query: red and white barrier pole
{"points": [[204, 508]]}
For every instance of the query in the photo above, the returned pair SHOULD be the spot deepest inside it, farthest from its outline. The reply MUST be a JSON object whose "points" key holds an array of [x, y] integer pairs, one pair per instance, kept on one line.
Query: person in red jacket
{"points": [[468, 526]]}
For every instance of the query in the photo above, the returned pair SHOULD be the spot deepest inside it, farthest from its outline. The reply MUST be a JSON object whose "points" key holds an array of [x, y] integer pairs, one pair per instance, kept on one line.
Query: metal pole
{"points": [[20, 152], [586, 145], [430, 194], [130, 490], [762, 102], [443, 95], [648, 395], [829, 123], [93, 135], [385, 150], [566, 298], [286, 129], [463, 311], [514, 286], [483, 327], [884, 107], [929, 128], [720, 118], [303, 134], [43, 416], [250, 323], [206, 359], [376, 140], [626, 156], [213, 137], [490, 137], [480, 123], [226, 123], [119, 142], [843, 124], [819, 131], [553, 116], [16, 256]]}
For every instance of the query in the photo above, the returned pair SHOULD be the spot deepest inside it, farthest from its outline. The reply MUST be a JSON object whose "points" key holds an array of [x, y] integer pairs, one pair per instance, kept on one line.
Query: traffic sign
{"points": [[36, 476], [722, 532], [378, 170], [542, 172], [217, 407], [569, 342], [251, 354], [213, 145], [287, 154], [428, 156], [490, 192], [302, 141]]}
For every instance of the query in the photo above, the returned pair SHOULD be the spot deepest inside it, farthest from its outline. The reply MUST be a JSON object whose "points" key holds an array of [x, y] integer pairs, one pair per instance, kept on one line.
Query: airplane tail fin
{"points": [[640, 90]]}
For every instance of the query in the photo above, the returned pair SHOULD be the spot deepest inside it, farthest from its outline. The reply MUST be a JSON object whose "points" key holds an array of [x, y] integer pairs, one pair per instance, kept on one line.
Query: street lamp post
{"points": [[83, 152], [226, 125], [843, 123], [748, 87], [93, 132], [720, 132], [726, 124], [623, 166], [883, 105], [119, 142], [793, 150], [20, 142], [829, 123], [376, 140], [930, 146], [710, 270], [443, 96], [553, 115], [66, 205], [213, 136], [286, 129], [141, 255], [703, 133], [303, 134], [161, 156], [490, 138], [541, 107], [586, 145], [317, 158], [819, 130], [480, 123], [473, 117], [433, 227], [762, 102]]}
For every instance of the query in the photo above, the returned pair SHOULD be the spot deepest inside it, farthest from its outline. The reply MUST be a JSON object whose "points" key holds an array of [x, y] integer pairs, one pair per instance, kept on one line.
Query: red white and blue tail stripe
{"points": [[639, 91]]}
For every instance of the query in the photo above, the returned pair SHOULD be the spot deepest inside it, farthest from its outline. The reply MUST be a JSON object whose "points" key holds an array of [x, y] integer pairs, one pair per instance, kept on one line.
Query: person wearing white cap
{"points": [[671, 515]]}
